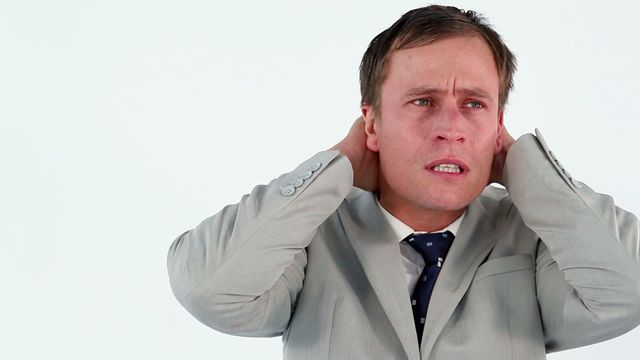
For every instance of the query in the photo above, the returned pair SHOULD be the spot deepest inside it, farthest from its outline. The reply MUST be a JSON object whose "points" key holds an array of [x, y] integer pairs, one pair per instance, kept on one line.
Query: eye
{"points": [[422, 102], [474, 104]]}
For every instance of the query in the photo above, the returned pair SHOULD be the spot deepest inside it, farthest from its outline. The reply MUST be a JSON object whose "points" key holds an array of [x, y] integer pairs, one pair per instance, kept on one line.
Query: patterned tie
{"points": [[434, 248]]}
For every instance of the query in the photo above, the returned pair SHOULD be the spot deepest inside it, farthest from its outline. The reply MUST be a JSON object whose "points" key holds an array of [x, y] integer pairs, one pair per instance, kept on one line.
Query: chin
{"points": [[445, 205], [449, 203]]}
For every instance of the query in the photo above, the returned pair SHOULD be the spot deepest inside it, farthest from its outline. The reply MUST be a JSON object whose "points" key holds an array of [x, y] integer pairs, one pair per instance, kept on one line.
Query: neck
{"points": [[420, 218]]}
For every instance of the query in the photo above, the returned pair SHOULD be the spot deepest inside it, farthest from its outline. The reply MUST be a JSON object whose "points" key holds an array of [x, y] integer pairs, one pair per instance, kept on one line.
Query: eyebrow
{"points": [[474, 92]]}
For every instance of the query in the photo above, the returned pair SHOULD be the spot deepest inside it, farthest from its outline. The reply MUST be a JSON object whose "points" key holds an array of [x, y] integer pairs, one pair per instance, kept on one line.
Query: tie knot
{"points": [[432, 246]]}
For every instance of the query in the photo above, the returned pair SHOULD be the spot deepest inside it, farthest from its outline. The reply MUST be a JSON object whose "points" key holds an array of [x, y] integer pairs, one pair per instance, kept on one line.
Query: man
{"points": [[336, 255]]}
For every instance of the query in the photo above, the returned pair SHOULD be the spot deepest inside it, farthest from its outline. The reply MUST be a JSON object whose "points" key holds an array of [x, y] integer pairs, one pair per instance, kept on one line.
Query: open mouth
{"points": [[448, 168]]}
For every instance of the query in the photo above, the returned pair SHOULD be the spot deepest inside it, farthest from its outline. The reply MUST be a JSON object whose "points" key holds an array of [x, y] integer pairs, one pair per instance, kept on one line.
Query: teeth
{"points": [[448, 168]]}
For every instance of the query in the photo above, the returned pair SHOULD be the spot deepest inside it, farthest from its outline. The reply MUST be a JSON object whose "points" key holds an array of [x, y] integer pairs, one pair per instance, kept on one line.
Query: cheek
{"points": [[396, 154], [487, 134], [485, 148], [400, 148]]}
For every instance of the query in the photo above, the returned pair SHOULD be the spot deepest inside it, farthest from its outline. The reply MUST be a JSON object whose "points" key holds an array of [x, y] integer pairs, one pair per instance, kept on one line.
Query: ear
{"points": [[370, 127], [500, 129]]}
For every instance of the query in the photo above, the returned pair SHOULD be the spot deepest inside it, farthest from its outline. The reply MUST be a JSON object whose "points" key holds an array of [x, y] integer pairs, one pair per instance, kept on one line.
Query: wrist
{"points": [[344, 150]]}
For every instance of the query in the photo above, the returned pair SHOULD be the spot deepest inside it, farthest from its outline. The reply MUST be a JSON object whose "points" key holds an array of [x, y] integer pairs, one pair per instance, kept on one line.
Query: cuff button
{"points": [[297, 182], [288, 190], [316, 166], [306, 174]]}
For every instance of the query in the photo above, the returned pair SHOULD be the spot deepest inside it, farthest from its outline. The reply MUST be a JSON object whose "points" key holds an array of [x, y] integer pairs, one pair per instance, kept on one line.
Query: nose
{"points": [[449, 126]]}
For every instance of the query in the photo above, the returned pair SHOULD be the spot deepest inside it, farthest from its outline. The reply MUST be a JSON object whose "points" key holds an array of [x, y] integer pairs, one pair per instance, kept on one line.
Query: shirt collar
{"points": [[402, 230]]}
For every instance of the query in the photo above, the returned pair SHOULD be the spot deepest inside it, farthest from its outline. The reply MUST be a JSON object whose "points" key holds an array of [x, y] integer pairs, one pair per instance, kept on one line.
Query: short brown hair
{"points": [[425, 25]]}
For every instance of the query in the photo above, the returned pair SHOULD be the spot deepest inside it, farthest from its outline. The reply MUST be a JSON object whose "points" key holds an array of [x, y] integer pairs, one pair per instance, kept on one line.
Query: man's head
{"points": [[434, 86]]}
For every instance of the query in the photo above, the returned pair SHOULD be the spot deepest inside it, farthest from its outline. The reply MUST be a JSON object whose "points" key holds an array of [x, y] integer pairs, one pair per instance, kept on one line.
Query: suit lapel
{"points": [[378, 251], [472, 244]]}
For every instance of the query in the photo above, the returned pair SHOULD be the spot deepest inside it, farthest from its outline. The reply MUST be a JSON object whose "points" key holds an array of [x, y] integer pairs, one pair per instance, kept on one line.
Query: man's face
{"points": [[439, 106]]}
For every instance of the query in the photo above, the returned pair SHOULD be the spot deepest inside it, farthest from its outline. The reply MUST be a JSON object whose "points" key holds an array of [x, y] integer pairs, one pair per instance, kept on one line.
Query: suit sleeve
{"points": [[241, 270], [587, 263]]}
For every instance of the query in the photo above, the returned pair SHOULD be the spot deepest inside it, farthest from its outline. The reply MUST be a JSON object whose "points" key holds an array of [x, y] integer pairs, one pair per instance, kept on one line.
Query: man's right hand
{"points": [[365, 163]]}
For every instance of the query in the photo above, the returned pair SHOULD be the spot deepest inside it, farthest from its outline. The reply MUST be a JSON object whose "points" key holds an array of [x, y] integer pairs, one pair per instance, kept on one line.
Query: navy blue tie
{"points": [[434, 248]]}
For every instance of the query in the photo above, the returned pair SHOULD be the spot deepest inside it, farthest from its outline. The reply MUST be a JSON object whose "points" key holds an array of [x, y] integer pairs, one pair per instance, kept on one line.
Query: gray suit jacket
{"points": [[546, 266]]}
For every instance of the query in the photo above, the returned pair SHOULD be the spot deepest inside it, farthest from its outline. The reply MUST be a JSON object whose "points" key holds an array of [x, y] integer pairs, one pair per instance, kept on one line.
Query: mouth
{"points": [[448, 168]]}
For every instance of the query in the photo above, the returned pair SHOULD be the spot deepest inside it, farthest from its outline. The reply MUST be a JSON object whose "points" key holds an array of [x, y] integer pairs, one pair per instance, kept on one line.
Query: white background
{"points": [[125, 122]]}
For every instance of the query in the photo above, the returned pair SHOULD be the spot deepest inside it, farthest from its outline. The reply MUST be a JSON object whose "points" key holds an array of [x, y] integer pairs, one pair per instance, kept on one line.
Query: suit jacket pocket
{"points": [[498, 317], [504, 265]]}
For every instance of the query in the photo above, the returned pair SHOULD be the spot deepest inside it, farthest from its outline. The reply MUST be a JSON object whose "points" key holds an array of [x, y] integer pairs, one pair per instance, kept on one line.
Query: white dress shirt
{"points": [[412, 261]]}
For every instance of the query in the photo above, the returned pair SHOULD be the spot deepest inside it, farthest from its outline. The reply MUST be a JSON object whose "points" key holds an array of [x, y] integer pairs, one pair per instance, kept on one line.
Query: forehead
{"points": [[464, 61]]}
